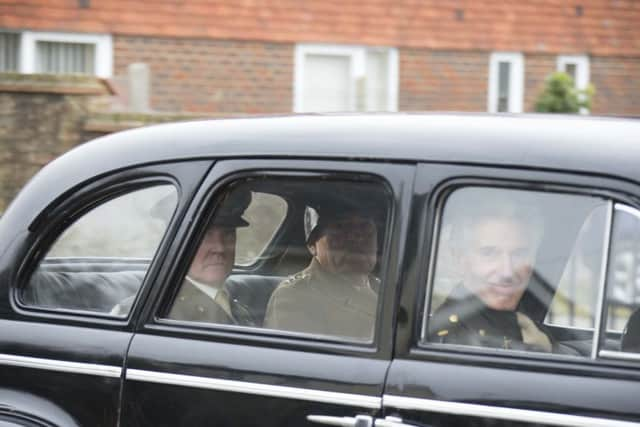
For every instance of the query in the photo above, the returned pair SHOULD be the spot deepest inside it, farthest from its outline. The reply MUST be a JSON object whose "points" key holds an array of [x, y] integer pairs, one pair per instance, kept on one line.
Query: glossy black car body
{"points": [[66, 368]]}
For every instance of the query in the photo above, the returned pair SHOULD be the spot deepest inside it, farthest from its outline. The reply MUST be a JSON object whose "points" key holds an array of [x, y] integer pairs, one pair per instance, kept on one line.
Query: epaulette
{"points": [[295, 278]]}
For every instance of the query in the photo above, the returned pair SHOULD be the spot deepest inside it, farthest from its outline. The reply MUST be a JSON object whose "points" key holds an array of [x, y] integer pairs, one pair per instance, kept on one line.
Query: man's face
{"points": [[498, 261], [215, 256], [348, 246]]}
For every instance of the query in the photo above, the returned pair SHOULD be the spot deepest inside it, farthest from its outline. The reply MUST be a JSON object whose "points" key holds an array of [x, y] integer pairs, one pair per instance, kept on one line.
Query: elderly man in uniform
{"points": [[336, 294], [495, 246], [203, 296]]}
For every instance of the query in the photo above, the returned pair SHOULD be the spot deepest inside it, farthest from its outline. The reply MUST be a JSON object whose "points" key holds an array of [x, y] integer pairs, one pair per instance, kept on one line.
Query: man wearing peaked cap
{"points": [[335, 295], [203, 296]]}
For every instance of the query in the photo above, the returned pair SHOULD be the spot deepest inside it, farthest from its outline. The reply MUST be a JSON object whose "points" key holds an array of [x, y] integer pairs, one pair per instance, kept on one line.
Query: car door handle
{"points": [[391, 422], [357, 421]]}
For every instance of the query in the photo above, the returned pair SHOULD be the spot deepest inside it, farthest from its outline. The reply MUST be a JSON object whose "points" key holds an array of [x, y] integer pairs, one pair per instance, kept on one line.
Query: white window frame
{"points": [[357, 54], [583, 73], [582, 68], [103, 65], [516, 83]]}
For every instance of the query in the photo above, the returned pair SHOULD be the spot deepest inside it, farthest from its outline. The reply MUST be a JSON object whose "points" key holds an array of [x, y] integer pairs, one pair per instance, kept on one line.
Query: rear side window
{"points": [[102, 258], [319, 275], [517, 270]]}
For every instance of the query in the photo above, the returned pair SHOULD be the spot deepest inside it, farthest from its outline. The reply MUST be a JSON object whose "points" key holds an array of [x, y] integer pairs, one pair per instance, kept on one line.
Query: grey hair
{"points": [[465, 208]]}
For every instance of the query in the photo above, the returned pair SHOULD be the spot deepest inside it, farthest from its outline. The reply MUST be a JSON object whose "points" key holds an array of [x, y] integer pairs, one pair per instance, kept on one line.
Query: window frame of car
{"points": [[80, 200], [442, 180], [398, 178]]}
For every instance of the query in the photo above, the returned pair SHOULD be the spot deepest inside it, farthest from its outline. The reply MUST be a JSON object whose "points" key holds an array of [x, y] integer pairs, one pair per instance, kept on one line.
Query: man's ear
{"points": [[312, 249]]}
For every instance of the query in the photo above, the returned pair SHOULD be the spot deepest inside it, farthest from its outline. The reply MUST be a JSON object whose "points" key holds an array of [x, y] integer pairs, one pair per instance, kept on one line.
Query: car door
{"points": [[184, 371], [585, 379], [62, 350]]}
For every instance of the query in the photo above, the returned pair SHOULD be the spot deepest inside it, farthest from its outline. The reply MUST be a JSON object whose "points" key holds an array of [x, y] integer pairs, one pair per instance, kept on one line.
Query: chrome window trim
{"points": [[336, 398], [435, 241], [619, 355], [61, 366], [497, 412], [597, 325]]}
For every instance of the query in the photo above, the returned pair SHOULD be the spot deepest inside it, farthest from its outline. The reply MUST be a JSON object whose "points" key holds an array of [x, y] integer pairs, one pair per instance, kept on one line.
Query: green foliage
{"points": [[560, 95]]}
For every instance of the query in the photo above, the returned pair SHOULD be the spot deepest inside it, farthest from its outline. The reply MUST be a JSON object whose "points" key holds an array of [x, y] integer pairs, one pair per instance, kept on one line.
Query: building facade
{"points": [[264, 57]]}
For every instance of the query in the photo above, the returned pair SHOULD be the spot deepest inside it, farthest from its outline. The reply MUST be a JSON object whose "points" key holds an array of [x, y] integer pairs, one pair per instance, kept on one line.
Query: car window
{"points": [[622, 308], [574, 304], [320, 273], [501, 263], [266, 212], [102, 258]]}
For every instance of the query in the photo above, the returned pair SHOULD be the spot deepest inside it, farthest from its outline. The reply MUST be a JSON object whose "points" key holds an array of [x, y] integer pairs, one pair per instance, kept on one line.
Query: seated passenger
{"points": [[203, 296], [631, 334], [495, 245], [335, 294]]}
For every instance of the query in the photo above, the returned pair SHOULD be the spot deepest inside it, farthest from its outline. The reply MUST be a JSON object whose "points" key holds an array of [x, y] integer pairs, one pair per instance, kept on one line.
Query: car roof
{"points": [[605, 146]]}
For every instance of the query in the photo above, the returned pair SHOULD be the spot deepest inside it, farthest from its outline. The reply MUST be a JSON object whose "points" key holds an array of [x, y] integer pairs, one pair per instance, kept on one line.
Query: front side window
{"points": [[502, 257], [345, 78], [622, 308], [102, 258], [319, 273]]}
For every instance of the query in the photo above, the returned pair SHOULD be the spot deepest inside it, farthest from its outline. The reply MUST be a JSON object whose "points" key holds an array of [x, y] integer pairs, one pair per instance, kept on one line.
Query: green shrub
{"points": [[560, 95]]}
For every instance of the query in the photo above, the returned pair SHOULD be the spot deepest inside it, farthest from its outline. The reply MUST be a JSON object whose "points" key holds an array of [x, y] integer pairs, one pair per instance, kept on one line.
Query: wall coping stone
{"points": [[54, 83]]}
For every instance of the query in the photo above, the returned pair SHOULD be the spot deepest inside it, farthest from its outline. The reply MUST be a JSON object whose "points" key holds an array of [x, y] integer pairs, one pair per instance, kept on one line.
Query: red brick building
{"points": [[278, 56]]}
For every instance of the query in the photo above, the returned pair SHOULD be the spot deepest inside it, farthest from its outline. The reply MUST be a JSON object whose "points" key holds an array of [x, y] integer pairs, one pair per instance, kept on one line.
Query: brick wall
{"points": [[537, 68], [200, 75], [41, 117], [617, 83], [458, 80], [442, 80]]}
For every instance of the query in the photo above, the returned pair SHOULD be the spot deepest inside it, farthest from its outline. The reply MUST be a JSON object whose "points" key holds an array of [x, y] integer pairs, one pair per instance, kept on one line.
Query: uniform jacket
{"points": [[464, 319], [316, 301], [191, 304]]}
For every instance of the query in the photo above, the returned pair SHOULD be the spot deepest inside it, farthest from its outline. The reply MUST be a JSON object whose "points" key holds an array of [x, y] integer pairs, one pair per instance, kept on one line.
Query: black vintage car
{"points": [[100, 251]]}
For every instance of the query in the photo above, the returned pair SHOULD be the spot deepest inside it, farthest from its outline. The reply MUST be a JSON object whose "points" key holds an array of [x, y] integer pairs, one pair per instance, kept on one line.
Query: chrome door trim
{"points": [[602, 286], [619, 355], [336, 398], [497, 412], [61, 366]]}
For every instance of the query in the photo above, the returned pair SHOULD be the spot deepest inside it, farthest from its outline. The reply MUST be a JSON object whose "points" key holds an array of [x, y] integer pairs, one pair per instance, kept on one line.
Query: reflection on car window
{"points": [[102, 258], [318, 276], [501, 255], [266, 212], [623, 283], [575, 301]]}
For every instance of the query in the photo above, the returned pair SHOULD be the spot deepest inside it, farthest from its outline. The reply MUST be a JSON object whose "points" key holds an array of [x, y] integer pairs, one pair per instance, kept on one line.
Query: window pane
{"points": [[9, 51], [575, 302], [501, 256], [102, 258], [623, 283], [504, 79], [571, 70], [318, 273], [377, 77], [327, 83], [65, 58], [265, 213]]}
